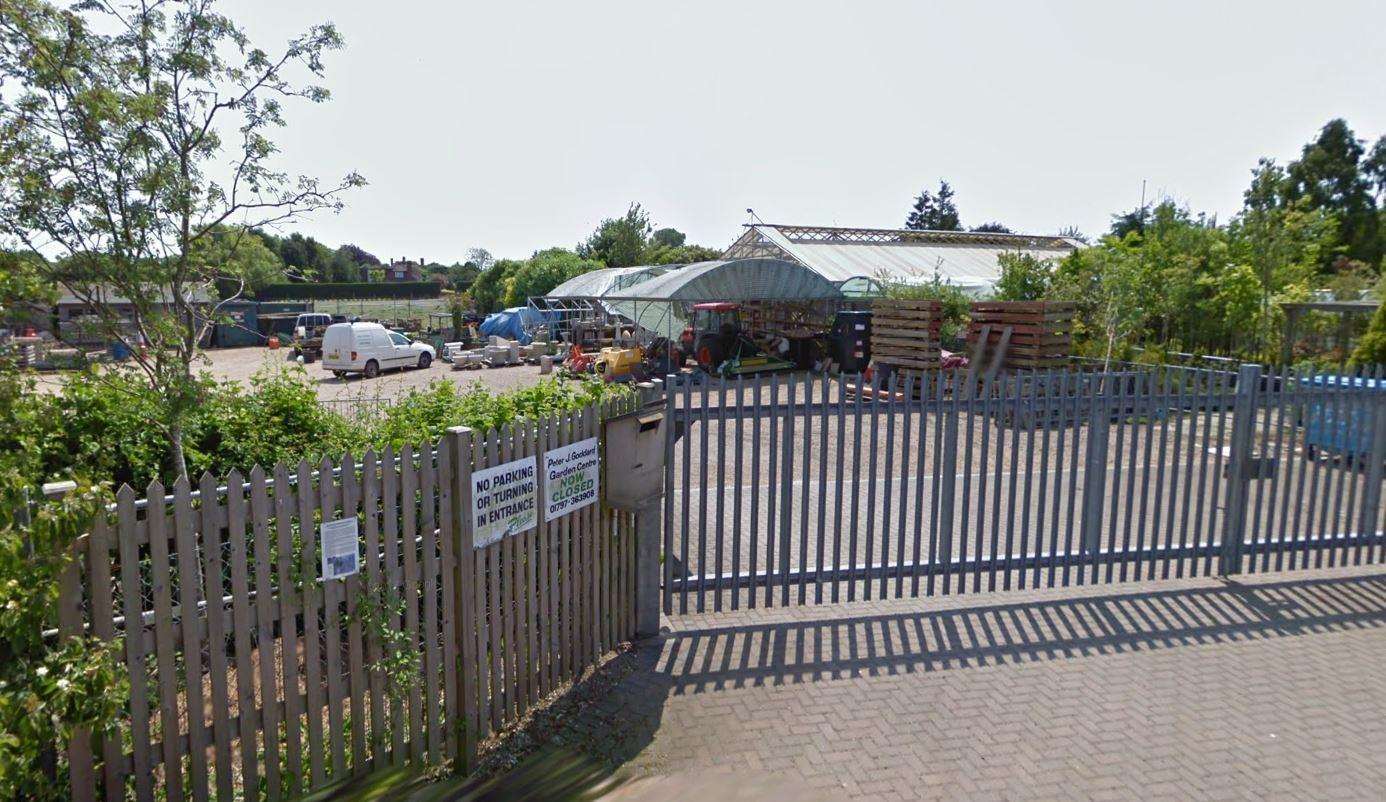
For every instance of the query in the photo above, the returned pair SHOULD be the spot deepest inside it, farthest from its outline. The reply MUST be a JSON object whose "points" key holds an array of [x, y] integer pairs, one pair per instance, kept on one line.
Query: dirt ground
{"points": [[241, 364]]}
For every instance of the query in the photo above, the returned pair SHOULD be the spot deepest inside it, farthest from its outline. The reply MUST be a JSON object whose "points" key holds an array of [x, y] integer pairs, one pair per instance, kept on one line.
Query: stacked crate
{"points": [[1041, 332], [905, 334]]}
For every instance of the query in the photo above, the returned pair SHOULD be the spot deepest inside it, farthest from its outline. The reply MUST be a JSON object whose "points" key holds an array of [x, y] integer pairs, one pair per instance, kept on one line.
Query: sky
{"points": [[514, 125]]}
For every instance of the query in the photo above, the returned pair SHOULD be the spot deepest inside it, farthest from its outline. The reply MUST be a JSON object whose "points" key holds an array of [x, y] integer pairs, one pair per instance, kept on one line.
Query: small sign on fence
{"points": [[340, 550], [505, 501], [571, 476]]}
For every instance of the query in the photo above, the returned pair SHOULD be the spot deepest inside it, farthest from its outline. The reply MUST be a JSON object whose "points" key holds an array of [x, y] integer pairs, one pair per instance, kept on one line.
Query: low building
{"points": [[77, 321], [401, 270], [859, 260]]}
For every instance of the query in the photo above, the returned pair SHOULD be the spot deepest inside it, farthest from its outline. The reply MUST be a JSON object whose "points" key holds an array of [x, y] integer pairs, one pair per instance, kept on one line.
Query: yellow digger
{"points": [[620, 364]]}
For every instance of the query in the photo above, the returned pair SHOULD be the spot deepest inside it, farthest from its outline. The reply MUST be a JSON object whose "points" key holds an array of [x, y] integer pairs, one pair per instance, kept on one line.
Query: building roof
{"points": [[599, 283], [661, 304], [197, 295], [965, 259], [755, 279]]}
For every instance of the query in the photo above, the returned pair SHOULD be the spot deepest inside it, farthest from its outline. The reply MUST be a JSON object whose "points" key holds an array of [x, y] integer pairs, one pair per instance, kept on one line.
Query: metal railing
{"points": [[798, 488]]}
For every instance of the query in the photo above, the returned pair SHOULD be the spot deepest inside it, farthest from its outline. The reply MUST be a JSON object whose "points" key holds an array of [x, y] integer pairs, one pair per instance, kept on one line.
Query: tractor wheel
{"points": [[708, 352]]}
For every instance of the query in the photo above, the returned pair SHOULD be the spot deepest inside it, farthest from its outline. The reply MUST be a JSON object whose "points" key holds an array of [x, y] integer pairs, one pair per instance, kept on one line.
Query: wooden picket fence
{"points": [[253, 678]]}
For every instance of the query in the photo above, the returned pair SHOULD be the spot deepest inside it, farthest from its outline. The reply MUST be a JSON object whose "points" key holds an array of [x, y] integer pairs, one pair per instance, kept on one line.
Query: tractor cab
{"points": [[716, 341]]}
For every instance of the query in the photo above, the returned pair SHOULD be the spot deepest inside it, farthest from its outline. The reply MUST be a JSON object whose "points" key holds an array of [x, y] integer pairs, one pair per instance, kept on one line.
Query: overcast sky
{"points": [[518, 125]]}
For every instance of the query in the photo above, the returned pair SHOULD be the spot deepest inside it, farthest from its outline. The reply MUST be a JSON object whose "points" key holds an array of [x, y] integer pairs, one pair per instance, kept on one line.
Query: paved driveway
{"points": [[1273, 686]]}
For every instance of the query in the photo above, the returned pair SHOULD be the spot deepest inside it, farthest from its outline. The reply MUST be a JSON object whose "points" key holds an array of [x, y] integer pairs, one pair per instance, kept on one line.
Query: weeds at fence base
{"points": [[531, 757]]}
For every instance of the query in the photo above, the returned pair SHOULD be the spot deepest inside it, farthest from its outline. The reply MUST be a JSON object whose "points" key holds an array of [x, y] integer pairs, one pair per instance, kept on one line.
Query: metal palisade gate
{"points": [[805, 488], [258, 674]]}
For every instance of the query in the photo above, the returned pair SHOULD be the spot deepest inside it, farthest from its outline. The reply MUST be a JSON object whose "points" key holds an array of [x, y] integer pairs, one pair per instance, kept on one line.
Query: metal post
{"points": [[1095, 468], [648, 536], [1371, 500], [649, 526], [1238, 470]]}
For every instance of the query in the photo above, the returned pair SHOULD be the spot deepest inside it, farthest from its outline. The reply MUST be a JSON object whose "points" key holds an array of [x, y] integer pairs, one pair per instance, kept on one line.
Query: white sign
{"points": [[570, 478], [505, 501], [340, 553]]}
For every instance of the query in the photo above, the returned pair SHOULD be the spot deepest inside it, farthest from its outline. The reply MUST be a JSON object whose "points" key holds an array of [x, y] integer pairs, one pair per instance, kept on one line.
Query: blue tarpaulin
{"points": [[511, 324]]}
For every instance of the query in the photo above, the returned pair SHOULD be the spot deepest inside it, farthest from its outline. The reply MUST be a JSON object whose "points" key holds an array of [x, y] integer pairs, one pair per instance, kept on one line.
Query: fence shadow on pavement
{"points": [[825, 644]]}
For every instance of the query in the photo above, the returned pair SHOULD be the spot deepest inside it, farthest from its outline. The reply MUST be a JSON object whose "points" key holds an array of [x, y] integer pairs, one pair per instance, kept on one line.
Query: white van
{"points": [[369, 348]]}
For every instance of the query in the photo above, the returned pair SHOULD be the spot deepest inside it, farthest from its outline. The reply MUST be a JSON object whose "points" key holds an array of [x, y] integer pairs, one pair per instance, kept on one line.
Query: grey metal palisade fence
{"points": [[252, 678], [803, 488]]}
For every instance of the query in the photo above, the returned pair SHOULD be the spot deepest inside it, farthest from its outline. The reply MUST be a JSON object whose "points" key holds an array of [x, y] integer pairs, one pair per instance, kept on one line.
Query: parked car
{"points": [[308, 333], [369, 348]]}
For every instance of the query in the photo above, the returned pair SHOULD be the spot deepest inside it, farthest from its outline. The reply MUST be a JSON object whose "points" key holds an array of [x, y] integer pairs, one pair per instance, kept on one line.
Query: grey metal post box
{"points": [[634, 459]]}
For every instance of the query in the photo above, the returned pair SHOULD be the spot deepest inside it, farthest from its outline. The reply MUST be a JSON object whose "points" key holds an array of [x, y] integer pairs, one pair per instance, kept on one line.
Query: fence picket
{"points": [[721, 460], [409, 546], [428, 542], [81, 763], [156, 522], [270, 708], [393, 578], [101, 599], [214, 593], [448, 522], [375, 591], [289, 649], [313, 602], [240, 636], [351, 589], [135, 652], [332, 597]]}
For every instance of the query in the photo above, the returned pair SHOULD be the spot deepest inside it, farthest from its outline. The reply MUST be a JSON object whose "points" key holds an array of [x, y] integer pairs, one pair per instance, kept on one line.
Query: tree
{"points": [[1023, 278], [1371, 347], [1374, 167], [668, 238], [22, 286], [488, 291], [461, 275], [618, 241], [243, 259], [1330, 174], [307, 259], [992, 228], [358, 255], [542, 272], [1129, 222], [934, 212], [682, 255], [1282, 243], [480, 258], [117, 125], [1072, 232]]}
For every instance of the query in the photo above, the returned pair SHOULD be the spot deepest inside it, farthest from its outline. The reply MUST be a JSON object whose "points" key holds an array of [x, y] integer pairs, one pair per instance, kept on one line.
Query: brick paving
{"points": [[1270, 686]]}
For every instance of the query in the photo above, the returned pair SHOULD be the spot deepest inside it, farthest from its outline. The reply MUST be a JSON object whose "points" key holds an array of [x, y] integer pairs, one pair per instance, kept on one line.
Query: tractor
{"points": [[717, 342]]}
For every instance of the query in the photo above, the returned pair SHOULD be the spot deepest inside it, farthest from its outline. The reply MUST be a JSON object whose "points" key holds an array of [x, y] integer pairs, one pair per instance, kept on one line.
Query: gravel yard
{"points": [[240, 364]]}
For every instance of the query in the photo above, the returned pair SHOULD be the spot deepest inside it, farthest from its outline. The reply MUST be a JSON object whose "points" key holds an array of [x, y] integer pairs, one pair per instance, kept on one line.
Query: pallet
{"points": [[904, 362], [1026, 307], [932, 305], [1022, 335]]}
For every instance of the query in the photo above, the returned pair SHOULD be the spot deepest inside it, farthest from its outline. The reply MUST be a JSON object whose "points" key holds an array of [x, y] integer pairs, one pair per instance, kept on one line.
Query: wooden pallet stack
{"points": [[1040, 332], [905, 334]]}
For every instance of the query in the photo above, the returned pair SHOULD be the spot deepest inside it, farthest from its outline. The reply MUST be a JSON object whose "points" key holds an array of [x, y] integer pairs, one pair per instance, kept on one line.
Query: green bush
{"points": [[1371, 347], [47, 688], [957, 305], [1023, 278], [99, 427], [427, 414]]}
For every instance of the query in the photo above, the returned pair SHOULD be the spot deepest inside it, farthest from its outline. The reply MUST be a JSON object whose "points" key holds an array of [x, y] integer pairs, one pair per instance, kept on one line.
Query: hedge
{"points": [[349, 290]]}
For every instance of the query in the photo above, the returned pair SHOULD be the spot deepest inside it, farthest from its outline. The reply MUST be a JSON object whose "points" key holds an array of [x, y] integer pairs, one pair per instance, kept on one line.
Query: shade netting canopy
{"points": [[661, 305]]}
